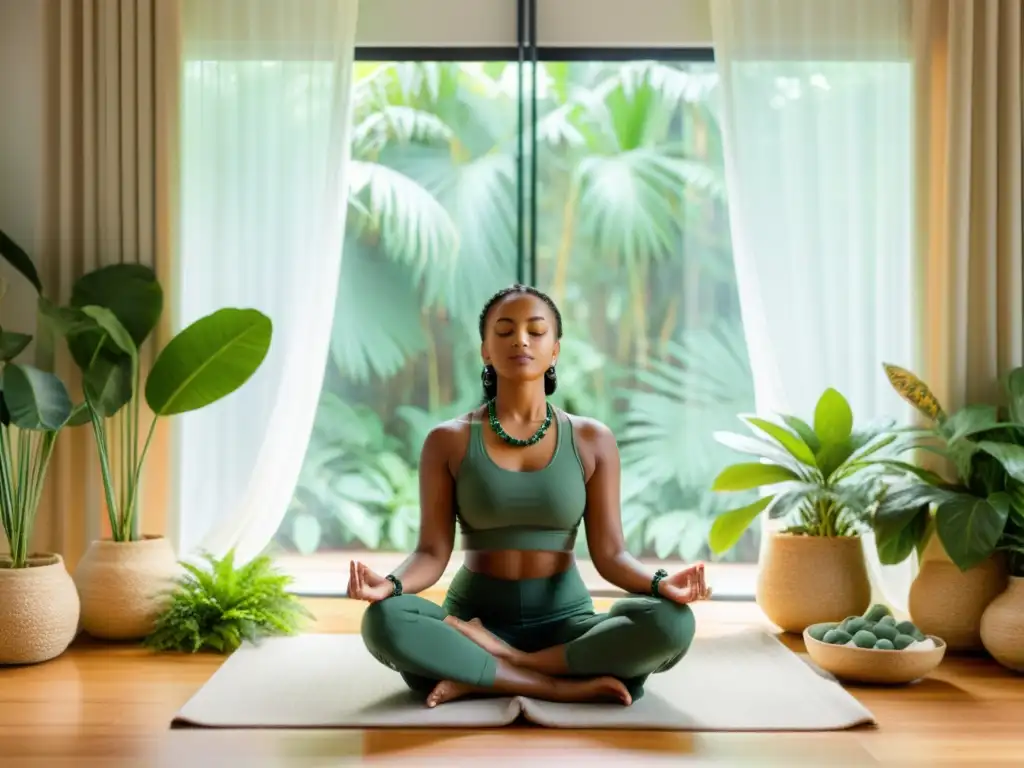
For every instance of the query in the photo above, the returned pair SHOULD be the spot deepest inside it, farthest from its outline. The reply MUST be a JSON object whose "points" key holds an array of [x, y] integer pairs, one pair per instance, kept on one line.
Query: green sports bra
{"points": [[504, 509]]}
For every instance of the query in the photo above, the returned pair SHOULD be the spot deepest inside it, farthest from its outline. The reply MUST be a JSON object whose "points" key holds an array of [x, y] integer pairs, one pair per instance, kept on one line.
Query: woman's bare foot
{"points": [[447, 690], [598, 689], [479, 634], [607, 689]]}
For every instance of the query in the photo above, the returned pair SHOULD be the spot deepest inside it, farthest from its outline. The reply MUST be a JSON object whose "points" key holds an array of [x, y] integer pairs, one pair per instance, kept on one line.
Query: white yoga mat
{"points": [[746, 681]]}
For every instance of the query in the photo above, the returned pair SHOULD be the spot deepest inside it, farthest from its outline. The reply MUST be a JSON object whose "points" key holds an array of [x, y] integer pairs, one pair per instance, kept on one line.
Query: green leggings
{"points": [[637, 637]]}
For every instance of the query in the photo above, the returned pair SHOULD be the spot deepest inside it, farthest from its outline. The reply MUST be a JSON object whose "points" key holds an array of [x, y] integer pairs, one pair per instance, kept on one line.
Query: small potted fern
{"points": [[111, 315], [220, 607], [39, 606], [823, 482]]}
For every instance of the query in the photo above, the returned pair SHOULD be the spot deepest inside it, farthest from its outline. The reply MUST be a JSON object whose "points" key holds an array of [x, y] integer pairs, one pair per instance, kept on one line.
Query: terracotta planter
{"points": [[124, 585], [1002, 626], [804, 580], [948, 602], [39, 610]]}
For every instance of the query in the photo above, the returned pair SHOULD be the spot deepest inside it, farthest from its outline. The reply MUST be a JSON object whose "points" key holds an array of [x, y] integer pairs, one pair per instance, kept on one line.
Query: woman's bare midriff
{"points": [[517, 565]]}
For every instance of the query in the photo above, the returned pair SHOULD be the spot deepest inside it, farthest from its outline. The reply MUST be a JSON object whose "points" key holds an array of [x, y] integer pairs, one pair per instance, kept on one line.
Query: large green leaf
{"points": [[108, 323], [208, 360], [901, 520], [805, 431], [130, 291], [764, 449], [12, 344], [902, 467], [788, 440], [970, 527], [20, 260], [1010, 456], [1015, 389], [729, 527], [104, 351], [108, 384], [833, 418], [35, 399], [968, 421], [743, 477], [66, 321]]}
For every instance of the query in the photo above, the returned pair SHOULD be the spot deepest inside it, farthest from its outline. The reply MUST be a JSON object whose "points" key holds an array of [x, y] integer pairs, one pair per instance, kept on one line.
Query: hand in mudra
{"points": [[686, 586], [364, 584]]}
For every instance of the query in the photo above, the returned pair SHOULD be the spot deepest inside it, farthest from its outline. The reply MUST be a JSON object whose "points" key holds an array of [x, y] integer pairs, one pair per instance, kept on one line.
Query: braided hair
{"points": [[488, 377]]}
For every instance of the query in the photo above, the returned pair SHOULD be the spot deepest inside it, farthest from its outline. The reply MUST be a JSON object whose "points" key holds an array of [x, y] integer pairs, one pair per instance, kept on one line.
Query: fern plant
{"points": [[220, 607]]}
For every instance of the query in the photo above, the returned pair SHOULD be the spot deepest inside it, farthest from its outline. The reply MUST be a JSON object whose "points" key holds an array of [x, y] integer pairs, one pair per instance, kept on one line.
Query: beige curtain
{"points": [[111, 85], [968, 143]]}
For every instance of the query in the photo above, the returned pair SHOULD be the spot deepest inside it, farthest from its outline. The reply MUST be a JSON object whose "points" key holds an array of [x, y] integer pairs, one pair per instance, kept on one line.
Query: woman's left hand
{"points": [[685, 586]]}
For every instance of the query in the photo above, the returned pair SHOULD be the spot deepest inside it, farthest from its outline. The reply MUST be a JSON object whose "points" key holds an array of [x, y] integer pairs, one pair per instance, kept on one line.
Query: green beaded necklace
{"points": [[492, 416]]}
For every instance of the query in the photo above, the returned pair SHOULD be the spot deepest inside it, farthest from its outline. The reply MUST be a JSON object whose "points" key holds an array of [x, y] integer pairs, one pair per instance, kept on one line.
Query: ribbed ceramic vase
{"points": [[804, 580], [39, 610], [124, 586], [1002, 626], [948, 602]]}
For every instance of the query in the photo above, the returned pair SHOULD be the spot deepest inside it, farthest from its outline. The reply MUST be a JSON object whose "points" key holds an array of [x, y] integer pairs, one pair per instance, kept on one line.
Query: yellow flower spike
{"points": [[914, 391]]}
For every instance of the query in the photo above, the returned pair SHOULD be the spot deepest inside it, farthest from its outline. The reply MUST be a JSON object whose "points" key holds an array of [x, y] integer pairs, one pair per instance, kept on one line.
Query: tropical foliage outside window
{"points": [[632, 243]]}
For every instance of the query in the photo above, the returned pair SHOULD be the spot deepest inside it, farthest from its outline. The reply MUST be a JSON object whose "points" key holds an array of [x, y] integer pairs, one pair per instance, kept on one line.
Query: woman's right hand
{"points": [[364, 584]]}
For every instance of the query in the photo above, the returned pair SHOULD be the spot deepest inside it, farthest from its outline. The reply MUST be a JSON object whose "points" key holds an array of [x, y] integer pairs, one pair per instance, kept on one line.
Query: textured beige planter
{"points": [[948, 602], [1002, 626], [123, 586], [804, 580], [38, 610]]}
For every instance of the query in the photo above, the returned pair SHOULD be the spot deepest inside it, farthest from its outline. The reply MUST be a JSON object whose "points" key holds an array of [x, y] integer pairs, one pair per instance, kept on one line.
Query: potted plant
{"points": [[219, 607], [822, 483], [38, 603], [123, 580], [962, 520]]}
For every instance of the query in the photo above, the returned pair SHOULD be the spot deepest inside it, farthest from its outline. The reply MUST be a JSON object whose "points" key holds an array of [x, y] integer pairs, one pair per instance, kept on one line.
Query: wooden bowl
{"points": [[868, 665]]}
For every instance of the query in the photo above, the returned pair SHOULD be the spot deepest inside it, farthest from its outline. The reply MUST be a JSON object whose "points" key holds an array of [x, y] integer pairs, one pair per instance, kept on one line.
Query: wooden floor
{"points": [[104, 705]]}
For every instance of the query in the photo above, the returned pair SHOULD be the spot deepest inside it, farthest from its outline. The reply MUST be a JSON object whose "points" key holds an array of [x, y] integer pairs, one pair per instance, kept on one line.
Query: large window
{"points": [[578, 147], [630, 238]]}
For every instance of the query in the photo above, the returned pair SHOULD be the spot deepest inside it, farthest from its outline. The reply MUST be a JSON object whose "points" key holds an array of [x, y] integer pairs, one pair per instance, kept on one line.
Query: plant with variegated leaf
{"points": [[821, 480], [981, 510]]}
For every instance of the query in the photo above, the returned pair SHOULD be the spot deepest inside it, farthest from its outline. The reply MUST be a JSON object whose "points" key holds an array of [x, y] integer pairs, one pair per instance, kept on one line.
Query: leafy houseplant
{"points": [[39, 606], [959, 528], [824, 480], [111, 314], [218, 608], [981, 511]]}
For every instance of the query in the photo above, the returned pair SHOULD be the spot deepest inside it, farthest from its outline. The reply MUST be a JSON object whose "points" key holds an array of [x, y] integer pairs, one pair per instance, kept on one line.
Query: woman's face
{"points": [[521, 338]]}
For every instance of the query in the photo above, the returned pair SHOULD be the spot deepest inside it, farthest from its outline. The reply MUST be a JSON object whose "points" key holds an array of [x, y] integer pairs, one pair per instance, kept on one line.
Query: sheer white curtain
{"points": [[817, 114], [265, 107]]}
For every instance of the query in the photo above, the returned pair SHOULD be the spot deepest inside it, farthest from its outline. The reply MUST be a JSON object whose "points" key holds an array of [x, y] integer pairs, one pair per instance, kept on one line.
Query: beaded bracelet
{"points": [[660, 574], [398, 585]]}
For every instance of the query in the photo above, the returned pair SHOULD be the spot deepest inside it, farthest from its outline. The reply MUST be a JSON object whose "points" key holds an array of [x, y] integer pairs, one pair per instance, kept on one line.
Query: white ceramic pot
{"points": [[39, 610], [948, 602], [123, 586], [1002, 626], [804, 580]]}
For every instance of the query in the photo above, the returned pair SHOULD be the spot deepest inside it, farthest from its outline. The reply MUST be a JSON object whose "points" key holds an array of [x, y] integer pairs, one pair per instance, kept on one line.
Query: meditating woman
{"points": [[519, 476]]}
